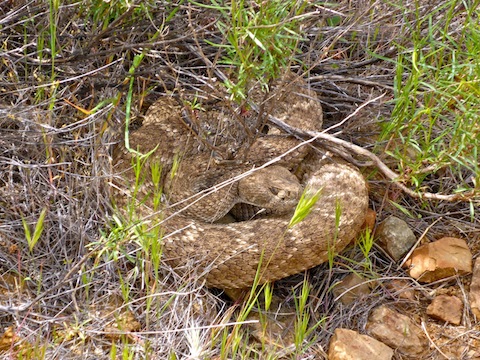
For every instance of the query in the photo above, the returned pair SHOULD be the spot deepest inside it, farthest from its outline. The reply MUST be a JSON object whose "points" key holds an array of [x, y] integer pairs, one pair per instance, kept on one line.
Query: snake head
{"points": [[273, 188]]}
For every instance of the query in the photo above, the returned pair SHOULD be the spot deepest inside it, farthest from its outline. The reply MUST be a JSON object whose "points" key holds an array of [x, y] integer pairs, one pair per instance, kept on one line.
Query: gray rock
{"points": [[395, 237]]}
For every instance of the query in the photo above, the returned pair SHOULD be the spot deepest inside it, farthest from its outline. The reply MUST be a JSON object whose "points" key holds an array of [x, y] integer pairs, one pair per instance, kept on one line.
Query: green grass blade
{"points": [[32, 240], [304, 206]]}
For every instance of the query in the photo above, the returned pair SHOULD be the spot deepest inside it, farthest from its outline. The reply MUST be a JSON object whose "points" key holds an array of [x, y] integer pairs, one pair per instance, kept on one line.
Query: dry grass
{"points": [[65, 76]]}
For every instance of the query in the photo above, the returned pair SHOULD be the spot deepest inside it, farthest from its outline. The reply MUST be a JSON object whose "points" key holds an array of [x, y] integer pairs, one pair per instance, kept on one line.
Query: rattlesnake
{"points": [[214, 146]]}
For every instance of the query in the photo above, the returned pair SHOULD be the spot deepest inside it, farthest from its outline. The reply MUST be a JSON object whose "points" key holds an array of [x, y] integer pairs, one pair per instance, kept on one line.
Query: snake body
{"points": [[268, 248]]}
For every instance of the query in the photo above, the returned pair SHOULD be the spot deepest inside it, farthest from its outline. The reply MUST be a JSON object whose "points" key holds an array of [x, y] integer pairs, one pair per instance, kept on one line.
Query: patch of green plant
{"points": [[32, 239], [304, 330], [53, 17], [365, 244], [331, 252], [233, 341], [31, 351], [103, 13], [304, 206], [363, 267], [47, 45], [111, 242], [260, 40], [435, 122], [233, 344], [129, 226]]}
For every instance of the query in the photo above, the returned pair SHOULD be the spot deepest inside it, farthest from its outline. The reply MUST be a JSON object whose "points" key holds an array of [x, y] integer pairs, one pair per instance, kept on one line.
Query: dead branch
{"points": [[327, 139]]}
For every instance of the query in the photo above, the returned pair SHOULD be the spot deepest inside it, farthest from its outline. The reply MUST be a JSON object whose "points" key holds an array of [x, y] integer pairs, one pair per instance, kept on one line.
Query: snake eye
{"points": [[274, 190]]}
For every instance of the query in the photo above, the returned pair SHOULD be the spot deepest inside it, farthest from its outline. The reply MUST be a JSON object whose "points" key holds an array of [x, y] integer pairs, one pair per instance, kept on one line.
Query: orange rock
{"points": [[446, 308], [350, 345], [440, 259], [474, 294], [351, 288], [401, 289], [397, 331]]}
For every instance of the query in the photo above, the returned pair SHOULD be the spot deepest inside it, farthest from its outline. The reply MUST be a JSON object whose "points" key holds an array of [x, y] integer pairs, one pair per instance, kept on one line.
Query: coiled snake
{"points": [[214, 146]]}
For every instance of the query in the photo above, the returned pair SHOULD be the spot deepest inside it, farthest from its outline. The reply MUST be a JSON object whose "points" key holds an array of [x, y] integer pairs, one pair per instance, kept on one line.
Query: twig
{"points": [[424, 328], [75, 269], [353, 114], [351, 80], [414, 247], [389, 174]]}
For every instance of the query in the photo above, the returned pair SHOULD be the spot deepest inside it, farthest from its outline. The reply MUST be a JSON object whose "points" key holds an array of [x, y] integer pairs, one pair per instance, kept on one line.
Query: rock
{"points": [[353, 286], [397, 331], [474, 295], [446, 308], [440, 259], [400, 289], [350, 345], [395, 237]]}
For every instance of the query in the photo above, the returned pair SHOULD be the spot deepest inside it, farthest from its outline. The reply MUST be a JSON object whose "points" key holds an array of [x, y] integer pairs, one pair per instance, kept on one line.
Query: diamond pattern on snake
{"points": [[222, 155]]}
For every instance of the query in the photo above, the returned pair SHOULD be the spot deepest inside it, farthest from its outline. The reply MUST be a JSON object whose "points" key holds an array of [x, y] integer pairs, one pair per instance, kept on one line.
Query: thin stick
{"points": [[389, 174]]}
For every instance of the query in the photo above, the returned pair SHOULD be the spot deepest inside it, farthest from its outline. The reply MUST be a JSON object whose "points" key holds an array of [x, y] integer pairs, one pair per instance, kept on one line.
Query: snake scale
{"points": [[214, 144]]}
